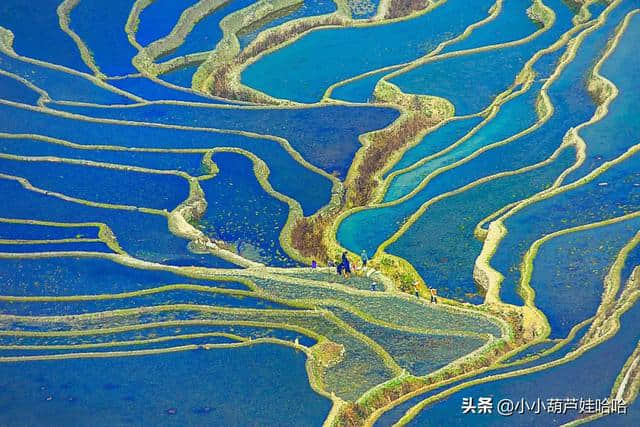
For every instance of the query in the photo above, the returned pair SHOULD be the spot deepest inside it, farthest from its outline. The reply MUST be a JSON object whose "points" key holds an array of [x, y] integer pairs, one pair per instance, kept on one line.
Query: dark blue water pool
{"points": [[309, 188], [157, 19], [230, 386], [325, 136], [58, 276], [38, 35], [242, 213], [141, 235], [102, 30]]}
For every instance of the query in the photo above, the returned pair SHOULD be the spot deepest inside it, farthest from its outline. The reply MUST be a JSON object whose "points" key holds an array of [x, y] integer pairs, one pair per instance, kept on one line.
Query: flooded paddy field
{"points": [[319, 212]]}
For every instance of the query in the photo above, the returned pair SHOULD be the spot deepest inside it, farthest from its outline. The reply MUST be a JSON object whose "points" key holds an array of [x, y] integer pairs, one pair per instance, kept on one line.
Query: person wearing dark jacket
{"points": [[345, 264]]}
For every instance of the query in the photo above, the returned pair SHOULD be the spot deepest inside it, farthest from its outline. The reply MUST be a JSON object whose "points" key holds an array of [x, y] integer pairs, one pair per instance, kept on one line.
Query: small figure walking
{"points": [[364, 258], [434, 296], [417, 293], [373, 286], [314, 264]]}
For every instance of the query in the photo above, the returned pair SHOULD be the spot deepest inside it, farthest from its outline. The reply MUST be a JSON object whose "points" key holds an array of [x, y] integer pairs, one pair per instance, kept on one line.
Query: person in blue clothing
{"points": [[346, 265]]}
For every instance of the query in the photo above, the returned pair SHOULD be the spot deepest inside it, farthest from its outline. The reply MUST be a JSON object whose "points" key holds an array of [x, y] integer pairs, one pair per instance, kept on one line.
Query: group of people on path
{"points": [[344, 267]]}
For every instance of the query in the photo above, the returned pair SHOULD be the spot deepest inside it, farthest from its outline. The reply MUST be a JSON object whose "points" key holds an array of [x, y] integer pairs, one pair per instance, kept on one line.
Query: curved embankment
{"points": [[78, 86], [308, 82], [287, 318], [609, 316], [497, 230], [191, 209], [527, 76], [242, 18], [357, 192], [572, 364], [363, 346]]}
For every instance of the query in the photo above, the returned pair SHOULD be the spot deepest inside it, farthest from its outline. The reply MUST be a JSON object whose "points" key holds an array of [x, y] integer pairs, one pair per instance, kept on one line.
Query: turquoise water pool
{"points": [[348, 52]]}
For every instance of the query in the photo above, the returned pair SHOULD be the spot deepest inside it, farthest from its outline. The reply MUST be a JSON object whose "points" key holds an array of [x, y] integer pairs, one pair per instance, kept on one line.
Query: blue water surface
{"points": [[102, 185], [60, 85], [569, 272], [305, 9], [359, 90], [514, 116], [38, 33], [57, 276], [226, 386], [455, 78], [157, 19], [292, 73], [619, 129], [191, 163], [144, 236], [13, 231], [547, 63], [103, 31], [572, 106], [55, 247], [512, 23], [207, 32], [152, 91], [436, 140], [161, 330], [585, 204], [16, 91], [441, 244], [180, 76], [205, 299], [326, 136], [354, 234], [241, 212], [574, 379], [309, 188]]}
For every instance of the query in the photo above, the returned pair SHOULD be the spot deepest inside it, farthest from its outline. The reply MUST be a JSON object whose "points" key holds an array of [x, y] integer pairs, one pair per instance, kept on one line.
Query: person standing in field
{"points": [[346, 265], [364, 258], [434, 295]]}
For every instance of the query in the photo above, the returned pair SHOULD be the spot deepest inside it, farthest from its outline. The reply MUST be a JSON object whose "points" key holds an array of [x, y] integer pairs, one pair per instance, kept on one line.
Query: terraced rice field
{"points": [[180, 179]]}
